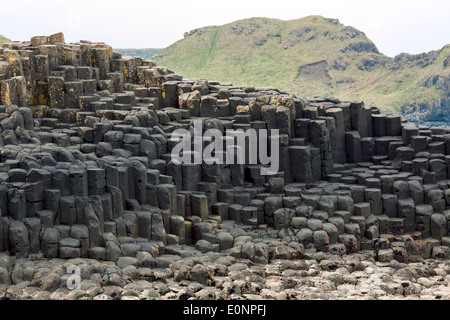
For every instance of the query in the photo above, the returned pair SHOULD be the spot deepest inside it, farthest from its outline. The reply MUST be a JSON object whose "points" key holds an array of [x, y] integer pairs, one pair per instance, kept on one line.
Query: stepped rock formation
{"points": [[86, 169]]}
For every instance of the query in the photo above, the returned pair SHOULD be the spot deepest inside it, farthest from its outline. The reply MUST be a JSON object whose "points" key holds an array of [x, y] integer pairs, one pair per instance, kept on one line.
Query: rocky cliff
{"points": [[311, 55]]}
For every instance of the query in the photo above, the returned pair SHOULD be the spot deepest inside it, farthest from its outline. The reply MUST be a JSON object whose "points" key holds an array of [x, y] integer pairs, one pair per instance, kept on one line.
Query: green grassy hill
{"points": [[308, 57], [3, 40], [144, 53]]}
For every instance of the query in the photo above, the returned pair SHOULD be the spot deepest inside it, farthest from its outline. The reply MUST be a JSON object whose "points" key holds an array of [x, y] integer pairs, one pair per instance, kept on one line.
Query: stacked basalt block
{"points": [[86, 167]]}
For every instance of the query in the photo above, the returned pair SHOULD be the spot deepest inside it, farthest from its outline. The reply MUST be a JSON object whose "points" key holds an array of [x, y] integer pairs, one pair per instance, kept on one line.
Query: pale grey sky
{"points": [[395, 26]]}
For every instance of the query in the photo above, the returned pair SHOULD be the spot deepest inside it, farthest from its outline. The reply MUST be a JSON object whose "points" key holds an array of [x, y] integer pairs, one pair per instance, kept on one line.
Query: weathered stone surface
{"points": [[49, 242], [86, 172], [19, 239]]}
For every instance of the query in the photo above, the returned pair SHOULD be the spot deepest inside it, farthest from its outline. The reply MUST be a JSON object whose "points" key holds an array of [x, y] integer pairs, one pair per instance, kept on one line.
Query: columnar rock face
{"points": [[86, 167]]}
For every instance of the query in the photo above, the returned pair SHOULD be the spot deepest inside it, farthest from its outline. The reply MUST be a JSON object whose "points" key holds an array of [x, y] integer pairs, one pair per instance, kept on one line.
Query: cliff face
{"points": [[311, 55], [436, 111]]}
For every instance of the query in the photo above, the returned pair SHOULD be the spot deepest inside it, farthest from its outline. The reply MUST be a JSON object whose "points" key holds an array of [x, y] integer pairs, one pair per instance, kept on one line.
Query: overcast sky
{"points": [[395, 26]]}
